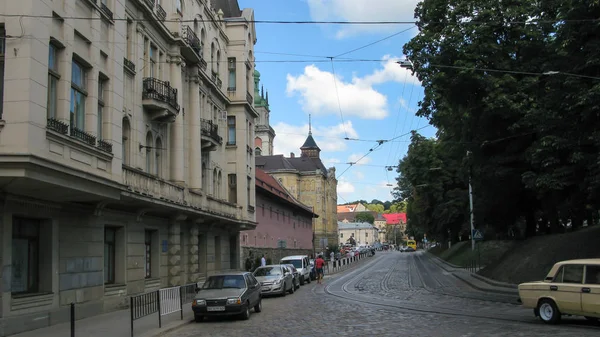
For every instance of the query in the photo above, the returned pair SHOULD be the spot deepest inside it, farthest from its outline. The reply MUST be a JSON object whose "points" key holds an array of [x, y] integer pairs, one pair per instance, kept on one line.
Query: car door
{"points": [[590, 292], [566, 288], [251, 289]]}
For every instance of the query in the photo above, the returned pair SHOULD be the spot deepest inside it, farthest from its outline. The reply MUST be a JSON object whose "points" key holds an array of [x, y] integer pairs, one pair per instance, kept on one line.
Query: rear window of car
{"points": [[592, 274]]}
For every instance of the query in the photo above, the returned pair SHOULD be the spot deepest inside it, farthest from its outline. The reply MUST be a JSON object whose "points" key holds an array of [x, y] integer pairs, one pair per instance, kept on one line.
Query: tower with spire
{"points": [[264, 133], [310, 148]]}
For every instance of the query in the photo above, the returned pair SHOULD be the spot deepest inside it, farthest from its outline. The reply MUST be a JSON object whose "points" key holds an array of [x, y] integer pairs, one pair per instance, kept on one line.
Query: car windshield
{"points": [[225, 281], [295, 263], [267, 271]]}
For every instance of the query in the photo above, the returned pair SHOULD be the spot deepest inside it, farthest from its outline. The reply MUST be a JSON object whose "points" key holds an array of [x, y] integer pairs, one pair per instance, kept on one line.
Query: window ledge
{"points": [[231, 146], [71, 142], [114, 285], [2, 124], [31, 301]]}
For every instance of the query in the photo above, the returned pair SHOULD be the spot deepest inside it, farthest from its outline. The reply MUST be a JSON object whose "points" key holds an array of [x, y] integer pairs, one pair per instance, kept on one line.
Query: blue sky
{"points": [[378, 98]]}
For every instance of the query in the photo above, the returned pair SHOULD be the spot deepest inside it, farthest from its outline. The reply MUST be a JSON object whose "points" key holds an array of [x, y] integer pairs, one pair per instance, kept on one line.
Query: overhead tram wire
{"points": [[303, 22], [338, 98], [374, 42]]}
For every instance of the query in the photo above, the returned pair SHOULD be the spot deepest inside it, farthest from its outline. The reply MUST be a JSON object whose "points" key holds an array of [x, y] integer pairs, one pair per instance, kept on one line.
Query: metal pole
{"points": [[72, 319], [471, 208], [131, 313], [159, 311]]}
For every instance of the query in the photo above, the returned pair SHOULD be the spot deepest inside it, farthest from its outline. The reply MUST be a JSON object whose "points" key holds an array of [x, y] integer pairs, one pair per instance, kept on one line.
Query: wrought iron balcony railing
{"points": [[129, 64], [211, 130], [192, 39], [104, 146], [160, 12], [83, 136], [249, 98], [58, 126], [203, 64], [150, 3], [106, 11], [154, 88]]}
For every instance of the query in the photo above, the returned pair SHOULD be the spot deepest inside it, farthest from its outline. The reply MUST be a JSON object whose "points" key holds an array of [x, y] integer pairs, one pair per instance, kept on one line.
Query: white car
{"points": [[302, 265]]}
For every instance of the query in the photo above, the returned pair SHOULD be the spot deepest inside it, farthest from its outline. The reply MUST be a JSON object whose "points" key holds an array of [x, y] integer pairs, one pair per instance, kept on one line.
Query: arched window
{"points": [[149, 144], [157, 156], [215, 175], [202, 39], [257, 151], [212, 57], [179, 6], [219, 183], [196, 27], [126, 141], [204, 177], [218, 61]]}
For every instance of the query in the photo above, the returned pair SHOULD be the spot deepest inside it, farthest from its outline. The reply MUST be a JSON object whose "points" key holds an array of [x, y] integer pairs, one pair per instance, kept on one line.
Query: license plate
{"points": [[215, 308]]}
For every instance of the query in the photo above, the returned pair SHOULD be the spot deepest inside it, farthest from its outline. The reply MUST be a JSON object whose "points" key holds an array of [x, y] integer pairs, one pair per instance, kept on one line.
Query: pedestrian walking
{"points": [[319, 263], [263, 261]]}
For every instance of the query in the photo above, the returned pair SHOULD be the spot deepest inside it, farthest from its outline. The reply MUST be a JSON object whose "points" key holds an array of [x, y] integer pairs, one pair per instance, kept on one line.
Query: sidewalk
{"points": [[475, 281], [116, 324]]}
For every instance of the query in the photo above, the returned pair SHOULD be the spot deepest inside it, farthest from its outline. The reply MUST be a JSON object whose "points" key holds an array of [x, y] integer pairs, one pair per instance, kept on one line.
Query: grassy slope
{"points": [[522, 261]]}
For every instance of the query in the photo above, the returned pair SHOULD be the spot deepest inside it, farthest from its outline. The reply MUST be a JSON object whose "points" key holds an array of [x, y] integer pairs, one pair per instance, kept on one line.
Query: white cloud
{"points": [[345, 188], [318, 95], [329, 138], [363, 10]]}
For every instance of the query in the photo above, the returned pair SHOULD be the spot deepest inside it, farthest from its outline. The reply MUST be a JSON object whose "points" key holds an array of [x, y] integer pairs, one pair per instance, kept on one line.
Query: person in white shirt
{"points": [[263, 261]]}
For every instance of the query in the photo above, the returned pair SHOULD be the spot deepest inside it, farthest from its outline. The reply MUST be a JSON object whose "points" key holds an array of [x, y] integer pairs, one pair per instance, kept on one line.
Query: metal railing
{"points": [[203, 63], [129, 64], [162, 302], [160, 12], [211, 130], [472, 266], [106, 11], [192, 39], [154, 88], [104, 146], [150, 3], [83, 136], [58, 126]]}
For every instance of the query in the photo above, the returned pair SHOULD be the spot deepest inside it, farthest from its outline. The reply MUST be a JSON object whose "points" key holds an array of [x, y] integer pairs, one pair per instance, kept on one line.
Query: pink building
{"points": [[283, 222]]}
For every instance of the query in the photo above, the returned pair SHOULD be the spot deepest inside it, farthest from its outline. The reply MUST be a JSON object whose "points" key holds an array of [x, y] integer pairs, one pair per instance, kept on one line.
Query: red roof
{"points": [[395, 218], [267, 183]]}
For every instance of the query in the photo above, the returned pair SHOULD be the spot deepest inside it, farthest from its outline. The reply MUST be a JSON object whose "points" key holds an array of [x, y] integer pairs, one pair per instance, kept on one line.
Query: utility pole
{"points": [[471, 205]]}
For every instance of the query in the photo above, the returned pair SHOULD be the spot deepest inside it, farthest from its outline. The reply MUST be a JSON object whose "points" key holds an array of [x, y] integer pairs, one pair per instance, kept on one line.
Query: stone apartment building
{"points": [[308, 181], [126, 150]]}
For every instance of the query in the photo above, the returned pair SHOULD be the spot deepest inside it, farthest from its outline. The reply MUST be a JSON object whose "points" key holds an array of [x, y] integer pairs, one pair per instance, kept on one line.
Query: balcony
{"points": [[160, 99], [192, 50], [58, 126], [106, 11], [203, 63], [82, 136], [210, 135], [249, 98], [104, 146], [145, 184], [149, 3], [251, 209], [160, 13], [129, 65]]}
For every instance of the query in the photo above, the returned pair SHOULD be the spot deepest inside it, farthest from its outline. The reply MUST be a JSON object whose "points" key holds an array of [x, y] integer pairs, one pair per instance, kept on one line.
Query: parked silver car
{"points": [[275, 280], [295, 274]]}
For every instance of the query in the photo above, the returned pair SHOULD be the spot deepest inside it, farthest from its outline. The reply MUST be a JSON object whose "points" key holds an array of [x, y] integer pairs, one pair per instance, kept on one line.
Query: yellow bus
{"points": [[411, 243]]}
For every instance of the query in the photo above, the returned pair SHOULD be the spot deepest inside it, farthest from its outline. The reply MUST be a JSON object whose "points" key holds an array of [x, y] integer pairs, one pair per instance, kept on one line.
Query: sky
{"points": [[363, 95]]}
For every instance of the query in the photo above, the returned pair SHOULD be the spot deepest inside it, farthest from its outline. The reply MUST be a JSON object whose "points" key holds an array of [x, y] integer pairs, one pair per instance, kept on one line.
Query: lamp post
{"points": [[471, 205]]}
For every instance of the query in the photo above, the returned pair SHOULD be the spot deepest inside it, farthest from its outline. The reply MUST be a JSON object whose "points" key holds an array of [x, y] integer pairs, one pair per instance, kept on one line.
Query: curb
{"points": [[444, 261], [496, 291], [495, 283], [169, 329]]}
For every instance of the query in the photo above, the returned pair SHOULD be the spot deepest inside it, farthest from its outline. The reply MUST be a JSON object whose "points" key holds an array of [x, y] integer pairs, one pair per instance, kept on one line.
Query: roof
{"points": [[395, 218], [350, 216], [268, 184], [310, 143], [230, 8], [293, 257], [580, 261], [355, 225], [230, 273], [279, 162], [346, 208]]}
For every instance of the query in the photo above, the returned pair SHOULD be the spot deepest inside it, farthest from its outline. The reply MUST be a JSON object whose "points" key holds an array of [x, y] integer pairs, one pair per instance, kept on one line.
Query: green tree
{"points": [[378, 208], [364, 217]]}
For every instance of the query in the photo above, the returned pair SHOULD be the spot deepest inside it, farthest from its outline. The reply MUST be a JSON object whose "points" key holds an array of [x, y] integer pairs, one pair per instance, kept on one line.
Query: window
{"points": [[125, 141], [232, 183], [366, 235], [157, 157], [102, 85], [249, 134], [153, 72], [148, 253], [178, 6], [129, 38], [592, 274], [231, 70], [257, 151], [230, 130], [53, 78], [248, 189], [110, 236], [78, 95], [25, 255], [146, 47], [2, 52], [341, 235], [149, 143], [569, 274]]}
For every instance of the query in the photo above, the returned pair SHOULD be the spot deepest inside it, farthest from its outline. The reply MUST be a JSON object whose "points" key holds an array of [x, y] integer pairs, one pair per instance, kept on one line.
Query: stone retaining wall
{"points": [[251, 255]]}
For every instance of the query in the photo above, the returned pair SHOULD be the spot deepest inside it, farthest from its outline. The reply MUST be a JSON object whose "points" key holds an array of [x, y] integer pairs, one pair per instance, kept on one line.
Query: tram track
{"points": [[341, 288]]}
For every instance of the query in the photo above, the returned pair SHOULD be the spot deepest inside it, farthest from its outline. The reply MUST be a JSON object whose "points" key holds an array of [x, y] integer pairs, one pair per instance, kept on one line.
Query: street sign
{"points": [[477, 235]]}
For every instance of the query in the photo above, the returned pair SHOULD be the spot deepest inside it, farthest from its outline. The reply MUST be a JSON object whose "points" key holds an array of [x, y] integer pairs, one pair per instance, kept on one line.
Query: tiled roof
{"points": [[268, 184], [350, 216], [279, 162], [230, 8], [395, 218], [310, 143], [346, 208], [355, 225]]}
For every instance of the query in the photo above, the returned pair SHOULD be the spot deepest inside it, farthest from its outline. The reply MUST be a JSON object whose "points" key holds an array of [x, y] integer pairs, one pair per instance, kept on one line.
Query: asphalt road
{"points": [[390, 294]]}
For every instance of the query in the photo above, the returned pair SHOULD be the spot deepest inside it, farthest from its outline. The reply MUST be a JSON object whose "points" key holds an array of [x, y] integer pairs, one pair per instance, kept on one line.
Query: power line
{"points": [[302, 22], [375, 42], [338, 97]]}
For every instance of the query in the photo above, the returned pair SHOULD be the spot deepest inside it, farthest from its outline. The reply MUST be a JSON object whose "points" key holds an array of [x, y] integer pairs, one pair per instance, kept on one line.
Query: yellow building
{"points": [[309, 181]]}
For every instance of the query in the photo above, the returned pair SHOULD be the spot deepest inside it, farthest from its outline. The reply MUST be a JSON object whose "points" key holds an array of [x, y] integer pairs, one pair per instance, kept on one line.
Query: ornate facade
{"points": [[265, 135], [127, 133]]}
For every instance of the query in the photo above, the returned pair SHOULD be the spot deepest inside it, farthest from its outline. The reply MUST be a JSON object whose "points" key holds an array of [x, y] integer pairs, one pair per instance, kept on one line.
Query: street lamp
{"points": [[471, 206]]}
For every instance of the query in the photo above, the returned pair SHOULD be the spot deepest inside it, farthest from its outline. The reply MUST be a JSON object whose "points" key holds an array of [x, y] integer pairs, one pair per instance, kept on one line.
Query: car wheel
{"points": [[246, 313], [258, 306], [308, 281], [283, 291], [292, 288], [302, 281], [297, 284], [198, 318], [548, 311]]}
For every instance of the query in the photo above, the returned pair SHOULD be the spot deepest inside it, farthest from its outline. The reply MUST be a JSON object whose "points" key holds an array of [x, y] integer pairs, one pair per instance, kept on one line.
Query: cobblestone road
{"points": [[392, 294]]}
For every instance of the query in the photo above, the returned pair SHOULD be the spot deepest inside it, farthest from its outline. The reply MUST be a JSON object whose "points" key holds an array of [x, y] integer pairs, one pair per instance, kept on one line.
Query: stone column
{"points": [[175, 250], [194, 130], [177, 158], [193, 260]]}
